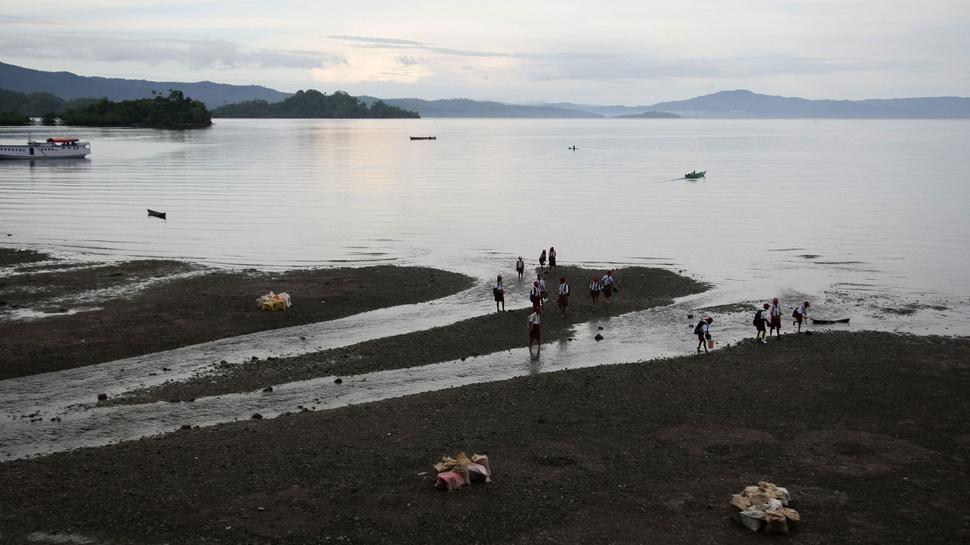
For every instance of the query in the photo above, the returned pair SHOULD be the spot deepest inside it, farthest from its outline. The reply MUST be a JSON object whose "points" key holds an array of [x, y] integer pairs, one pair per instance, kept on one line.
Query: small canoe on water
{"points": [[156, 214], [830, 321], [695, 175], [424, 138]]}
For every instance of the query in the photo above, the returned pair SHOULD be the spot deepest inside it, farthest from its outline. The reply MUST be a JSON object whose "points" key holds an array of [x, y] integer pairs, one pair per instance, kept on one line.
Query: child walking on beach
{"points": [[799, 314], [499, 292], [761, 318], [535, 329], [594, 290], [702, 331], [563, 295]]}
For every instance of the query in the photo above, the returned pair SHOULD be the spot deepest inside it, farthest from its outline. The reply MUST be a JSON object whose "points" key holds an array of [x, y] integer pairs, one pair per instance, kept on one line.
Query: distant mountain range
{"points": [[71, 86], [725, 104]]}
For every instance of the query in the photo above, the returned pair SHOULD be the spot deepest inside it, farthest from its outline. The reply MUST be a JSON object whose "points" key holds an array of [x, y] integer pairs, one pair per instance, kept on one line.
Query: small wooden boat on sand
{"points": [[695, 175], [156, 214], [424, 138], [830, 320]]}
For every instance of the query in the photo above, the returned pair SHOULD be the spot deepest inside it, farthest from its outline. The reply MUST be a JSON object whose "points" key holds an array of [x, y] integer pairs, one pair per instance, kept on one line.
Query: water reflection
{"points": [[69, 165]]}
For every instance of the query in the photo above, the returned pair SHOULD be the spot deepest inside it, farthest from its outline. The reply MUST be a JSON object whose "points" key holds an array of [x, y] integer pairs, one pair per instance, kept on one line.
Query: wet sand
{"points": [[868, 431]]}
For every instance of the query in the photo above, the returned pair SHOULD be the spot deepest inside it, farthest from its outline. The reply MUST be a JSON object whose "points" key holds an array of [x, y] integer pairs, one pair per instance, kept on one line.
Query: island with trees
{"points": [[173, 112], [312, 104]]}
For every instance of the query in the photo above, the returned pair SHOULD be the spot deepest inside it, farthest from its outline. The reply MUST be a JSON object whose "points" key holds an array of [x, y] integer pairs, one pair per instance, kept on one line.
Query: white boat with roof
{"points": [[52, 148]]}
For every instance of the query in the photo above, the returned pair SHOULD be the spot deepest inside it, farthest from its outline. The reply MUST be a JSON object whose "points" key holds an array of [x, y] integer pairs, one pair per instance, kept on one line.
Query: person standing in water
{"points": [[552, 258], [702, 330], [499, 292], [535, 328], [542, 260], [520, 267]]}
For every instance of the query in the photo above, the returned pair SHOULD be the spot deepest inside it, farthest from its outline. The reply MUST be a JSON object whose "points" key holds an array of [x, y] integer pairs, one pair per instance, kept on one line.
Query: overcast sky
{"points": [[591, 52]]}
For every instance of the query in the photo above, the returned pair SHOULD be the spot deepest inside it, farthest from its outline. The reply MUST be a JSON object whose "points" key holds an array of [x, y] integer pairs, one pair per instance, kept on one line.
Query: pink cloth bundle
{"points": [[449, 480]]}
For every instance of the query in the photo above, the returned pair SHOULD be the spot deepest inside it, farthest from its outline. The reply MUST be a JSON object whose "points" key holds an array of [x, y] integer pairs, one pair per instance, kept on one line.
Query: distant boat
{"points": [[695, 175], [574, 148], [53, 148], [424, 138], [156, 213]]}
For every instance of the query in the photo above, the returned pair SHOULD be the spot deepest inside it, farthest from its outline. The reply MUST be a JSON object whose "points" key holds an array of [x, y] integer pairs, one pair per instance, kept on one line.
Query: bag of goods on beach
{"points": [[763, 507], [453, 473], [273, 301]]}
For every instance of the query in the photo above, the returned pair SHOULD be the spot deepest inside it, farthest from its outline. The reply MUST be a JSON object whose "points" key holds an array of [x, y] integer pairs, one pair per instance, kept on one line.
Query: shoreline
{"points": [[868, 431]]}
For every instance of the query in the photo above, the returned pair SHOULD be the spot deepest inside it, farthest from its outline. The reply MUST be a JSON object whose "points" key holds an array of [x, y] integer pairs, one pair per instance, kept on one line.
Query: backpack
{"points": [[699, 328], [795, 314], [757, 318]]}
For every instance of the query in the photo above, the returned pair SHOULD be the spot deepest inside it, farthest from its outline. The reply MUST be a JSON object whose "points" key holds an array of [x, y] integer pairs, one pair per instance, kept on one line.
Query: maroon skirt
{"points": [[535, 331]]}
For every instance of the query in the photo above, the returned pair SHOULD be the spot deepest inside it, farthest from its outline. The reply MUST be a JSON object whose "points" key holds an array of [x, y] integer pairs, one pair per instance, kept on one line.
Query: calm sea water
{"points": [[867, 219], [790, 206]]}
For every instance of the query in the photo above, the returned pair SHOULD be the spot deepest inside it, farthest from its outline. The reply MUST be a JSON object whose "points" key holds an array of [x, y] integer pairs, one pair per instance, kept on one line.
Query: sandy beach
{"points": [[868, 431]]}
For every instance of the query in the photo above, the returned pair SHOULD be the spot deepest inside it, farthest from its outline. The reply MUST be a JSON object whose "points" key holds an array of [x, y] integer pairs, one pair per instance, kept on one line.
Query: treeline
{"points": [[172, 111], [313, 104], [17, 108]]}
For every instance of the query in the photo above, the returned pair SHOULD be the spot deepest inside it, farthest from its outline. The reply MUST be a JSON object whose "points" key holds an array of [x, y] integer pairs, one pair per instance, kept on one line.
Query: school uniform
{"points": [[535, 328], [563, 295], [776, 317]]}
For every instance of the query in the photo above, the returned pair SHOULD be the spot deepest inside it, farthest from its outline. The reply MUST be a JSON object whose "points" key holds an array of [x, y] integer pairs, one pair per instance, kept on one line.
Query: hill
{"points": [[70, 86], [460, 107], [724, 104], [745, 104]]}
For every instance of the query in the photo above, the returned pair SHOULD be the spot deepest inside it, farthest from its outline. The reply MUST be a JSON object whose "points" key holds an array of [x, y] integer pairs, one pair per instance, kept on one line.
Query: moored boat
{"points": [[156, 213], [424, 138], [52, 148], [694, 175]]}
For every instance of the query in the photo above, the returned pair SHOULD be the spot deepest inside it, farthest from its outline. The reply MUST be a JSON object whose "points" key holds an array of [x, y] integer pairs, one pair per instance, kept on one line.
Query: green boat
{"points": [[695, 175]]}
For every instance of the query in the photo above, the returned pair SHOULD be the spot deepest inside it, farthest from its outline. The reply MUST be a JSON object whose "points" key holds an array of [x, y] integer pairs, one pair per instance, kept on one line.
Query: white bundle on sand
{"points": [[764, 506], [453, 473]]}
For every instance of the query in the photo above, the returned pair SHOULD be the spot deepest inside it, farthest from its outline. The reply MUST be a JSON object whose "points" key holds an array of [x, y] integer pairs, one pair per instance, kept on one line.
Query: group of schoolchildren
{"points": [[766, 321], [605, 285]]}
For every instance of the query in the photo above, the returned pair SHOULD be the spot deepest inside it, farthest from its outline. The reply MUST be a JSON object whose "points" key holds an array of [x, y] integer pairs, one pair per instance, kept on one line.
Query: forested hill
{"points": [[70, 86], [313, 105], [741, 104]]}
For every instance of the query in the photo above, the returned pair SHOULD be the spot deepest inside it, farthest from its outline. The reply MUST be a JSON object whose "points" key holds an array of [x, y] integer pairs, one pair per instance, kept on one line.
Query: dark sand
{"points": [[868, 431]]}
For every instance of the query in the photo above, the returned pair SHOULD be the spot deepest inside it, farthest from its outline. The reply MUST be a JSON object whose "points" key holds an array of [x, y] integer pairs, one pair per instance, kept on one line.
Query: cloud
{"points": [[193, 54]]}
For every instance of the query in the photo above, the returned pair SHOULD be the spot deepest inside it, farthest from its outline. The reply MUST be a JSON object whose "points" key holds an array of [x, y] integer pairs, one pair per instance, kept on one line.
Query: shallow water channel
{"points": [[54, 412]]}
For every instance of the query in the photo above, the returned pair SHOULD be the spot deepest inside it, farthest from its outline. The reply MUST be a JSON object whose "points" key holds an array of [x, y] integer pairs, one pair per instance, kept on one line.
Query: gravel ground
{"points": [[868, 431]]}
